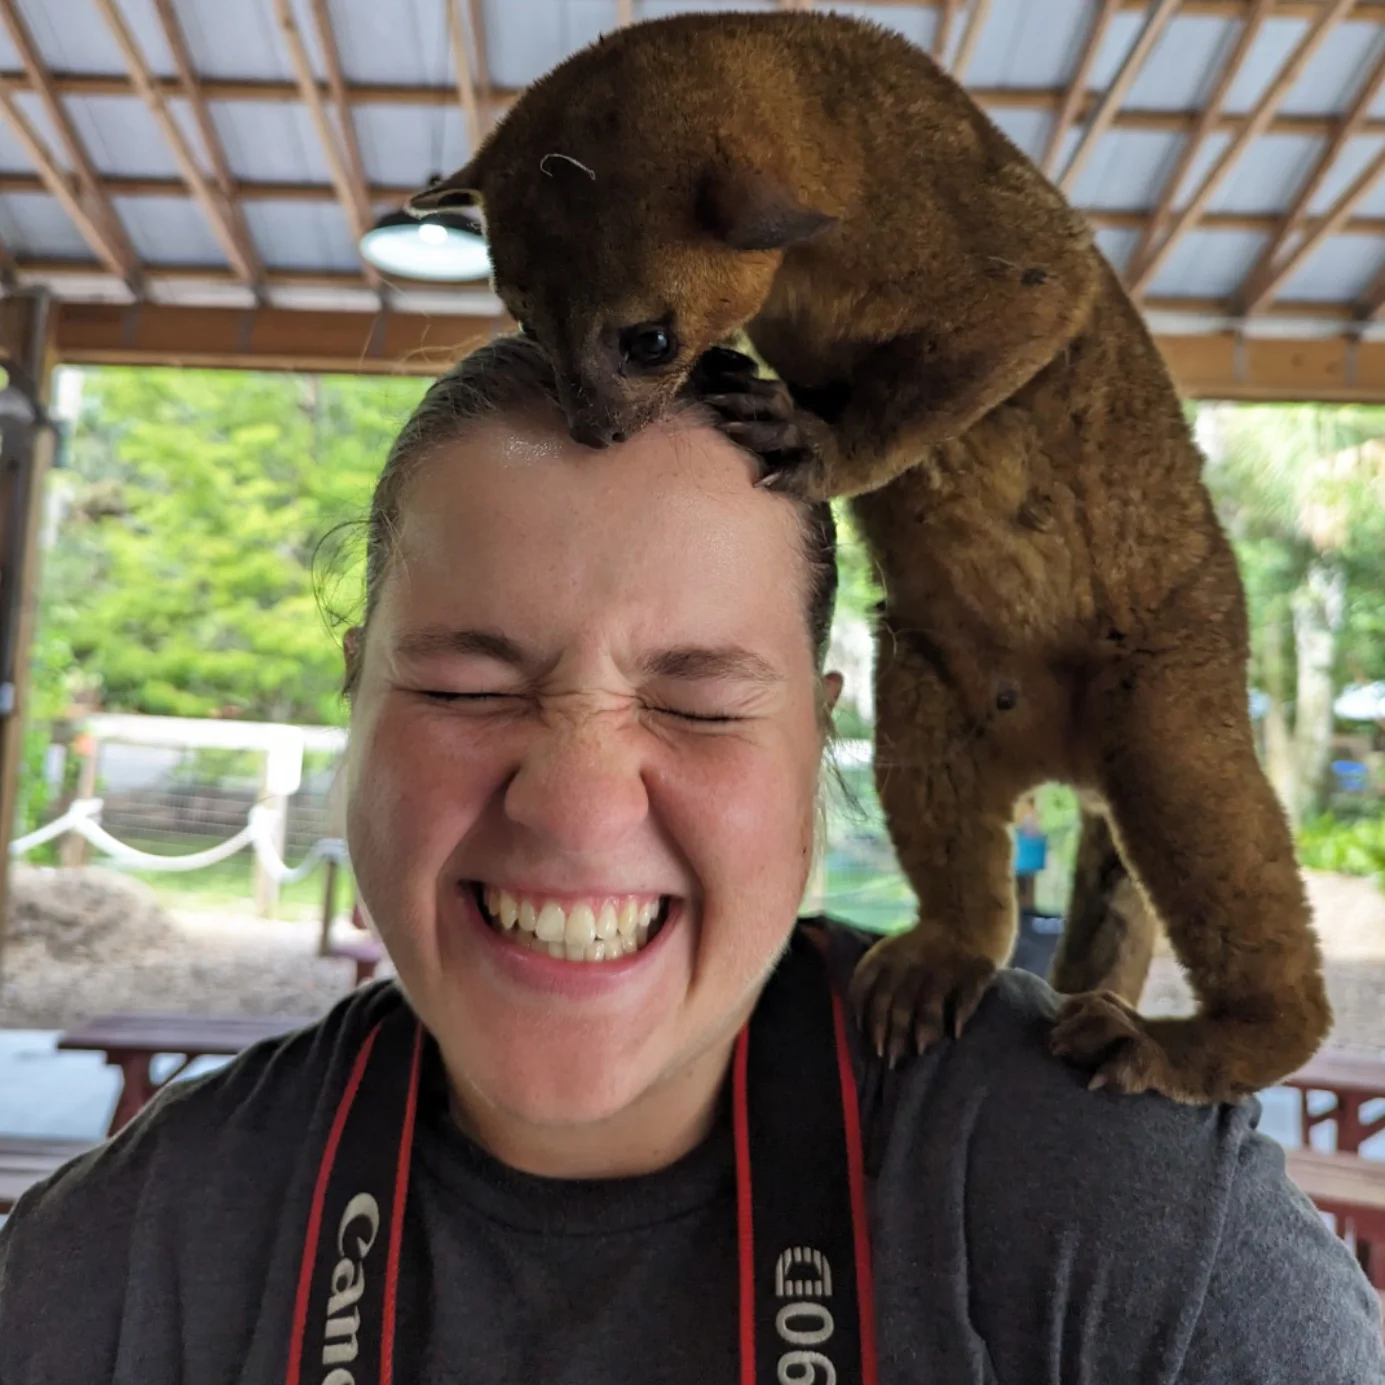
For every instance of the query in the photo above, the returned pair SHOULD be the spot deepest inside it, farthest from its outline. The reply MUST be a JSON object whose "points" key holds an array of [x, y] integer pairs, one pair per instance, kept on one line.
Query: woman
{"points": [[587, 718]]}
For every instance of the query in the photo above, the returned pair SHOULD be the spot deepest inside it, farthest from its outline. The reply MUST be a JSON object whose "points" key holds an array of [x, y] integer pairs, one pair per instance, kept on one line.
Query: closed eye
{"points": [[440, 696], [692, 716]]}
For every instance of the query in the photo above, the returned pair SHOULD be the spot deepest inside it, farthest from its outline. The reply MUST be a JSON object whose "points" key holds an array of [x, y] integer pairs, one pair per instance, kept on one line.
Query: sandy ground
{"points": [[227, 963]]}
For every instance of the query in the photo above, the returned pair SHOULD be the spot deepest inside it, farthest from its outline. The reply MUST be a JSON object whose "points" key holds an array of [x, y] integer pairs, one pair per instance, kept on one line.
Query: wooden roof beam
{"points": [[1329, 224], [311, 95], [487, 98], [336, 84], [1076, 95], [227, 201], [500, 99], [1273, 267], [942, 35], [971, 36], [1154, 26], [203, 193], [466, 81], [96, 234], [1262, 223], [1331, 13], [89, 189], [1206, 122]]}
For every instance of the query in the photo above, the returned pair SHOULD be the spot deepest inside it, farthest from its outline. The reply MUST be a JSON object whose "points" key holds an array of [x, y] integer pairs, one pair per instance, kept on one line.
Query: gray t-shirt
{"points": [[1025, 1232]]}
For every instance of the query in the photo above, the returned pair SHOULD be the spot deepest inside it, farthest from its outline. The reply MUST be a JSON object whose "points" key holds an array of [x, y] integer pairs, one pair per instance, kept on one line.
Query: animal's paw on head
{"points": [[760, 416]]}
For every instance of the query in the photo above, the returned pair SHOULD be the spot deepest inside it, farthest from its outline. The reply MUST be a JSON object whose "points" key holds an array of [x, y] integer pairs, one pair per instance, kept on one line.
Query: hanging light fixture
{"points": [[444, 247]]}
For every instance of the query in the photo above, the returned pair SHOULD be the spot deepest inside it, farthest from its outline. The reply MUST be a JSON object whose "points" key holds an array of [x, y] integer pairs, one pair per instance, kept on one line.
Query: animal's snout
{"points": [[595, 432]]}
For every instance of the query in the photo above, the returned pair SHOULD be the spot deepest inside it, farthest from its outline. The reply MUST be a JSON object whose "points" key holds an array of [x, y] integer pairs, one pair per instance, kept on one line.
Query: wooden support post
{"points": [[26, 452]]}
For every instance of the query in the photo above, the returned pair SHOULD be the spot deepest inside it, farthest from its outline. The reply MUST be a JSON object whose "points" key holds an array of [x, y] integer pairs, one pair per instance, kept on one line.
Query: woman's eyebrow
{"points": [[710, 661], [430, 641], [692, 661]]}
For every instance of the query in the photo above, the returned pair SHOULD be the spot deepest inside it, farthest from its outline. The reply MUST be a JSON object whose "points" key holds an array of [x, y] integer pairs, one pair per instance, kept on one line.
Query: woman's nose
{"points": [[579, 787]]}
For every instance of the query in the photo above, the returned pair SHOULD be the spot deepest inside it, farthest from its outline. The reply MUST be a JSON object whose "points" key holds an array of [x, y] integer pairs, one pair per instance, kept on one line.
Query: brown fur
{"points": [[1060, 601], [1109, 933]]}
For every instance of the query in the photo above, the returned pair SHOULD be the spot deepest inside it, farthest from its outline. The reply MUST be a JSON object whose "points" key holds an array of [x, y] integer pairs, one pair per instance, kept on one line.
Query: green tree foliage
{"points": [[181, 581], [1301, 489]]}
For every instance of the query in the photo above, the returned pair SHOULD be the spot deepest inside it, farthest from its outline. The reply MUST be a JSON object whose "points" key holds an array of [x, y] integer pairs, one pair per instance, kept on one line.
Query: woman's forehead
{"points": [[668, 526]]}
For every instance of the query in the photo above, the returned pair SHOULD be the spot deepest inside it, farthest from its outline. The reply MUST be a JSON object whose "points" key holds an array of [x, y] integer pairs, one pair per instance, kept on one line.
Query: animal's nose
{"points": [[592, 432]]}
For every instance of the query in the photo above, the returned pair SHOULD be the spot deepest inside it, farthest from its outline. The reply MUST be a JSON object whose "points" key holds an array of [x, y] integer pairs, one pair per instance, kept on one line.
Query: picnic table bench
{"points": [[1352, 1078], [132, 1041], [26, 1160]]}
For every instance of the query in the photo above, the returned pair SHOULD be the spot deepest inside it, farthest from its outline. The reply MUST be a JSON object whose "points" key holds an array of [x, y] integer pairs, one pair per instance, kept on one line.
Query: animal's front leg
{"points": [[1199, 823], [947, 805]]}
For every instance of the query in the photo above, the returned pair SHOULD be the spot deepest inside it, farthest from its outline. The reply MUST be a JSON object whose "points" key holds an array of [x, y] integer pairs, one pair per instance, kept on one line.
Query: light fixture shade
{"points": [[443, 248]]}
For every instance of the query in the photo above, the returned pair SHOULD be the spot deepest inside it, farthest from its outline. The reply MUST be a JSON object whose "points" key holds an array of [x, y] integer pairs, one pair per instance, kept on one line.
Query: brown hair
{"points": [[509, 375]]}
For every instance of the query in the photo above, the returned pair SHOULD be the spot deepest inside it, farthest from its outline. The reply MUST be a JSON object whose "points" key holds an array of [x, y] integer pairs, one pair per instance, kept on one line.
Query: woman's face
{"points": [[583, 761]]}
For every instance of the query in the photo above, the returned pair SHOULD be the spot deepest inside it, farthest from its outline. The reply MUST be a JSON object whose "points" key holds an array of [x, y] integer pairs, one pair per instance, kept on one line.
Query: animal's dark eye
{"points": [[648, 344]]}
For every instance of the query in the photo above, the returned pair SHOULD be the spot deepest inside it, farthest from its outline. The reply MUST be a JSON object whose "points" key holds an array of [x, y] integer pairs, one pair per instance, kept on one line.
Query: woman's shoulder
{"points": [[1147, 1231], [999, 1088], [216, 1147]]}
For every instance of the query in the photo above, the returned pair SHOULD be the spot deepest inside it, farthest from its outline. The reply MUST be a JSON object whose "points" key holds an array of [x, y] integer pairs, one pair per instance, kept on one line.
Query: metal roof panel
{"points": [[1340, 269], [1126, 169], [302, 235], [122, 137], [72, 36], [265, 142], [408, 144], [1207, 264], [1266, 177], [1184, 65], [1336, 72], [1268, 54], [1028, 45], [33, 224], [169, 230], [236, 39], [1349, 165]]}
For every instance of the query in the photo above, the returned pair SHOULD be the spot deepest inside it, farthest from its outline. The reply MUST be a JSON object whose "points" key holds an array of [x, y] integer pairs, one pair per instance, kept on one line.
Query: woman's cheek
{"points": [[428, 775]]}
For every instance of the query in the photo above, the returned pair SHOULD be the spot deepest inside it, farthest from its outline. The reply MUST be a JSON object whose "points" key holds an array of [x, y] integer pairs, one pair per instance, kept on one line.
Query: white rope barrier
{"points": [[258, 833]]}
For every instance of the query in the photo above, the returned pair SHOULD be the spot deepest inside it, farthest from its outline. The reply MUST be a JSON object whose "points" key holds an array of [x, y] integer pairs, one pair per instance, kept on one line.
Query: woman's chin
{"points": [[552, 1087]]}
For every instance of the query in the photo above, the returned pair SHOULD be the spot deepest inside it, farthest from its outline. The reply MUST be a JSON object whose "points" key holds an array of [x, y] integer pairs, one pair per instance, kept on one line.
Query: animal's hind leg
{"points": [[948, 811], [1109, 932], [1202, 828]]}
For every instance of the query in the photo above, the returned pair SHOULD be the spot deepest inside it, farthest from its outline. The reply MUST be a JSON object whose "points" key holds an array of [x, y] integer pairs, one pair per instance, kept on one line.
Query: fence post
{"points": [[266, 886], [88, 750]]}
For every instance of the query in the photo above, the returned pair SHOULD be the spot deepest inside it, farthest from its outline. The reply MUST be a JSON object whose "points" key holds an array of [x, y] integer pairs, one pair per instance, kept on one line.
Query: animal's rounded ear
{"points": [[462, 189], [750, 211]]}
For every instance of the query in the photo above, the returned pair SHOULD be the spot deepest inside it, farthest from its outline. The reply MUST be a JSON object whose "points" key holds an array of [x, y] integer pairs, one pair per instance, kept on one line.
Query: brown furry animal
{"points": [[1060, 601]]}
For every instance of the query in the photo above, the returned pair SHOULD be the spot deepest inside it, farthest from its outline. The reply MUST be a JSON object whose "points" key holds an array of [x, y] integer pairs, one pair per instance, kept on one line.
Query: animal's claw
{"points": [[1098, 1032], [759, 415], [909, 991]]}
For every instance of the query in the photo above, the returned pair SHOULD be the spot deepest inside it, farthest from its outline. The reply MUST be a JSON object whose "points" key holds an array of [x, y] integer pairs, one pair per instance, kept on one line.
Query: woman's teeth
{"points": [[598, 930]]}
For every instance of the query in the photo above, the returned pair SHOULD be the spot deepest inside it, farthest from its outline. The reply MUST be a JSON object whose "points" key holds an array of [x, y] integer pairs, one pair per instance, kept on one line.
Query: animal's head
{"points": [[625, 269]]}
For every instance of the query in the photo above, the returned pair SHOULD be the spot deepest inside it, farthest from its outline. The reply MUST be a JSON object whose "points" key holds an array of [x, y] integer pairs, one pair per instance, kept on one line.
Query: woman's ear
{"points": [[831, 689]]}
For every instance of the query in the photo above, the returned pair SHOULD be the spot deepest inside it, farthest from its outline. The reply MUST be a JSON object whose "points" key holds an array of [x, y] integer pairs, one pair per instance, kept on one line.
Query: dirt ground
{"points": [[101, 942], [83, 947]]}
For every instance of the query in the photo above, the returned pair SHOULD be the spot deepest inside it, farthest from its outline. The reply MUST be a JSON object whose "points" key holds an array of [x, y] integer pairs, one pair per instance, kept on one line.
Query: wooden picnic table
{"points": [[132, 1041], [1352, 1078]]}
